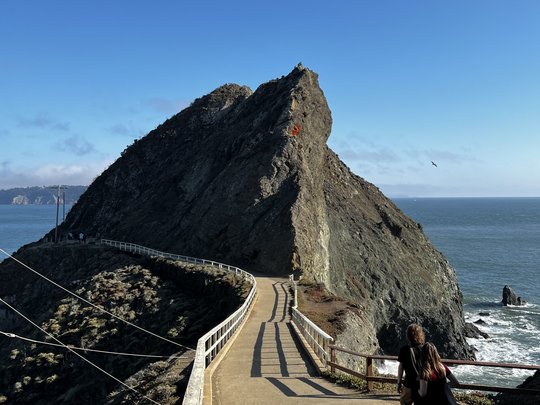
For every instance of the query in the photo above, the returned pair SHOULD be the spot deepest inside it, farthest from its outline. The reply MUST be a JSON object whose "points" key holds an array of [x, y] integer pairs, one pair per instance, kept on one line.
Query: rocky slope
{"points": [[247, 178], [179, 302]]}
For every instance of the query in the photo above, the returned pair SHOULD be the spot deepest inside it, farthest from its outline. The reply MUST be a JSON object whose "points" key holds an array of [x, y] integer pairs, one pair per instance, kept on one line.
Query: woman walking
{"points": [[434, 388]]}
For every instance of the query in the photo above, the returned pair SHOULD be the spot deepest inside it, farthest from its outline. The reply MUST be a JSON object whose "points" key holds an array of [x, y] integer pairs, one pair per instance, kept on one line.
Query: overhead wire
{"points": [[77, 354], [87, 349], [92, 304]]}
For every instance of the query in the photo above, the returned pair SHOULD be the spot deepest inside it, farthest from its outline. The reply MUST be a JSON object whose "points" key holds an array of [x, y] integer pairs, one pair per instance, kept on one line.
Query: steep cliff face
{"points": [[246, 178]]}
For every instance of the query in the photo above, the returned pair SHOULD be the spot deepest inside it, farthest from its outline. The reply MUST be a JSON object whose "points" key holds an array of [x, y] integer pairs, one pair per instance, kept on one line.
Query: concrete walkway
{"points": [[266, 365]]}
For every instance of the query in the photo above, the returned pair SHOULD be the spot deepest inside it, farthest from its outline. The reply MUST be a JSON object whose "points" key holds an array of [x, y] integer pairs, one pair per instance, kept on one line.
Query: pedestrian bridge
{"points": [[266, 363], [267, 360]]}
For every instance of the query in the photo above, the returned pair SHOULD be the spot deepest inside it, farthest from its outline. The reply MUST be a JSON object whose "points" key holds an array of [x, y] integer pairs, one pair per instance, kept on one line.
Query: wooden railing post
{"points": [[369, 373]]}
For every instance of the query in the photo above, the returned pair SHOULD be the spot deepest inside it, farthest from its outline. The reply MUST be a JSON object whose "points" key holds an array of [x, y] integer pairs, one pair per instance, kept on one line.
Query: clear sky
{"points": [[408, 82]]}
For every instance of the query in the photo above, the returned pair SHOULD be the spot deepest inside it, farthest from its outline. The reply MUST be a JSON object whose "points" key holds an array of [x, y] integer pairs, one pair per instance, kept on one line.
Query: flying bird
{"points": [[434, 164]]}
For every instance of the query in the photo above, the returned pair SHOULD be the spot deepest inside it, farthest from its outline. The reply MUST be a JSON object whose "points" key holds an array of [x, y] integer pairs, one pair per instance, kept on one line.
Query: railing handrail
{"points": [[370, 377], [218, 335], [188, 259], [313, 325], [445, 361], [317, 338]]}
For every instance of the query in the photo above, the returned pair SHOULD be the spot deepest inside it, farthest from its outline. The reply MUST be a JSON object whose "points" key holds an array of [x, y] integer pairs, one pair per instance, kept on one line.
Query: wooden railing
{"points": [[370, 377]]}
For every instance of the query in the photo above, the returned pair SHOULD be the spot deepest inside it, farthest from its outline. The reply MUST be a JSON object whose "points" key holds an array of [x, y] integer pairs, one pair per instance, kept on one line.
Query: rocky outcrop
{"points": [[177, 301], [531, 383], [472, 331], [247, 178], [510, 298]]}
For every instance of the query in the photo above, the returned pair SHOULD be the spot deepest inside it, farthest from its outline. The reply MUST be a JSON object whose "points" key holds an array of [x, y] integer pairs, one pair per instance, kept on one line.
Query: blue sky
{"points": [[408, 82]]}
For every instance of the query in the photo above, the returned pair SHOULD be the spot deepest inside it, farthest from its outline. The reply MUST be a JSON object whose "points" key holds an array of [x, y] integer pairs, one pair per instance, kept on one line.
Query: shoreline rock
{"points": [[510, 298], [472, 331]]}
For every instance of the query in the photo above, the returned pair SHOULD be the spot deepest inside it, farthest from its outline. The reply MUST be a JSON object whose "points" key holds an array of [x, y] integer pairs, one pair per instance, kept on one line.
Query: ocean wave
{"points": [[526, 305], [514, 337]]}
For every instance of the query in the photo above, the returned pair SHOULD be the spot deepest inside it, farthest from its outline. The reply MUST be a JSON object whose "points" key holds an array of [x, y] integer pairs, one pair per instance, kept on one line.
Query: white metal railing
{"points": [[318, 339], [209, 345]]}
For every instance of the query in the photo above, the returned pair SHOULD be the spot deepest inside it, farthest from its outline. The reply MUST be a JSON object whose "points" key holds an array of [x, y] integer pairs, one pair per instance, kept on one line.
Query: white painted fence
{"points": [[318, 339], [209, 345]]}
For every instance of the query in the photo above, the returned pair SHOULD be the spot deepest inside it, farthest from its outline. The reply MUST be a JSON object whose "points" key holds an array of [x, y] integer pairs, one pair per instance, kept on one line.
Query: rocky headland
{"points": [[244, 178]]}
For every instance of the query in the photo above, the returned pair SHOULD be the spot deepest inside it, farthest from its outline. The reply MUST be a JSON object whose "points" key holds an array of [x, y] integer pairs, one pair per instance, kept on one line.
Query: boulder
{"points": [[480, 322], [473, 332]]}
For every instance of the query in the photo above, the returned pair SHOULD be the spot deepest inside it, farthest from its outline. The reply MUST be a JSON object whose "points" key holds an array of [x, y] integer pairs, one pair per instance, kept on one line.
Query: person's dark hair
{"points": [[415, 334]]}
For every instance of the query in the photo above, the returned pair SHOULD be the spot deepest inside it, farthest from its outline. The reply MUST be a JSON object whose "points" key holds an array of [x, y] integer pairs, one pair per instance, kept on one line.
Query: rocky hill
{"points": [[247, 178], [178, 301], [39, 195]]}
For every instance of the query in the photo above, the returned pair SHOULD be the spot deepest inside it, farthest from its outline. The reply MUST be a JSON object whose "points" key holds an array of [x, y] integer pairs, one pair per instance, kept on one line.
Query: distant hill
{"points": [[39, 195]]}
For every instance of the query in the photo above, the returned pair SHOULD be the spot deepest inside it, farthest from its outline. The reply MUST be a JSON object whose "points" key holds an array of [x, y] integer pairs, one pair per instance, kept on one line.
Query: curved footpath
{"points": [[266, 364]]}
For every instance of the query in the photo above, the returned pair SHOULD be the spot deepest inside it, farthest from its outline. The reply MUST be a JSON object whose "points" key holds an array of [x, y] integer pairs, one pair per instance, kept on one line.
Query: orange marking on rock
{"points": [[296, 130]]}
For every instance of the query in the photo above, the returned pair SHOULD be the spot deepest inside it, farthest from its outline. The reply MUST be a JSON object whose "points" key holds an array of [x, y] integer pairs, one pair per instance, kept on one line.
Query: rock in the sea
{"points": [[510, 298], [484, 313], [246, 178], [480, 322], [472, 331]]}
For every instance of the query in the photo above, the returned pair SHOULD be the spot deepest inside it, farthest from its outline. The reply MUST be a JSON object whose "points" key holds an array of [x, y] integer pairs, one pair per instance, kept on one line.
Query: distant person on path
{"points": [[410, 358], [81, 237], [434, 388]]}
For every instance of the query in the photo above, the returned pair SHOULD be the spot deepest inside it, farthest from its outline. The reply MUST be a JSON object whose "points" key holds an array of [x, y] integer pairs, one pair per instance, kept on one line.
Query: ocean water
{"points": [[491, 242], [22, 224]]}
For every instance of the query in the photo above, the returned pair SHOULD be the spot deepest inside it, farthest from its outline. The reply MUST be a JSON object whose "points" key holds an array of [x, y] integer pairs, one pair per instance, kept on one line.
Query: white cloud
{"points": [[49, 174]]}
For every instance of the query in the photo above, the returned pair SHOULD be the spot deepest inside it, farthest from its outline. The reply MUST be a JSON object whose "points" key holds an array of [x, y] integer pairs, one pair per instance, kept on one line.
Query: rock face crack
{"points": [[247, 178]]}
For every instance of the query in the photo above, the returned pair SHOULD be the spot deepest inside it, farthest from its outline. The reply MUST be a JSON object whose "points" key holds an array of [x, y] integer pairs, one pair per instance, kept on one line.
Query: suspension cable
{"points": [[77, 354], [92, 304], [87, 349]]}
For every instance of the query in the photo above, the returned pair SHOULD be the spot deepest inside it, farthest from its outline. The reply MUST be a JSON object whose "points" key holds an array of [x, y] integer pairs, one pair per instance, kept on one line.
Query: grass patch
{"points": [[345, 380]]}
